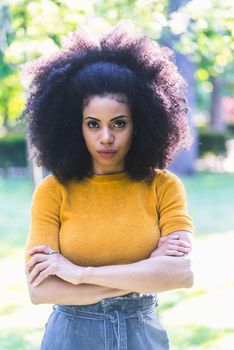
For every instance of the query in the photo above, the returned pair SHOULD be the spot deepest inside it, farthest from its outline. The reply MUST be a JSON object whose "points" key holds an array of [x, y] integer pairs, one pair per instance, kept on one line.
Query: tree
{"points": [[206, 35], [184, 161]]}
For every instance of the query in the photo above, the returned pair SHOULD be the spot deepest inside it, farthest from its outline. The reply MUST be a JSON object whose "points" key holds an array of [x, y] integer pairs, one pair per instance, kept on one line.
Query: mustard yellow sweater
{"points": [[107, 219]]}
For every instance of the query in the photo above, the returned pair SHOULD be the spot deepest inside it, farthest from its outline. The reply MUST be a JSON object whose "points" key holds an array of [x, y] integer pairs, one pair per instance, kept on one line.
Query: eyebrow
{"points": [[120, 116]]}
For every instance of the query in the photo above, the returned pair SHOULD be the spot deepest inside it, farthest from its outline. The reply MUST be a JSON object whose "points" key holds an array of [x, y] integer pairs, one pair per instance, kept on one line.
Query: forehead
{"points": [[108, 104]]}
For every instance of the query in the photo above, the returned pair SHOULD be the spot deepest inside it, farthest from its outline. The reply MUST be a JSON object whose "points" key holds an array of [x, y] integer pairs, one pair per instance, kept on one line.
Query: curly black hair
{"points": [[122, 61]]}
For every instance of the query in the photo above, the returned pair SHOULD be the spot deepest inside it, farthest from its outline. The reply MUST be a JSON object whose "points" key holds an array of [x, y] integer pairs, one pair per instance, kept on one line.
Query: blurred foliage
{"points": [[206, 34], [31, 28], [213, 142], [13, 150], [28, 30]]}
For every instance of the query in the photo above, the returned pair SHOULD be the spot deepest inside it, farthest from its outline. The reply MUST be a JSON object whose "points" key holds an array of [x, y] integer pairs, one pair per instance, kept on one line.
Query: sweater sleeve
{"points": [[44, 215], [172, 204]]}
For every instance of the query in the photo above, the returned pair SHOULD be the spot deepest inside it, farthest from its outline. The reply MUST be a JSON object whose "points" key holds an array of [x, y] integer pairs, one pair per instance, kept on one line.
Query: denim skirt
{"points": [[128, 322]]}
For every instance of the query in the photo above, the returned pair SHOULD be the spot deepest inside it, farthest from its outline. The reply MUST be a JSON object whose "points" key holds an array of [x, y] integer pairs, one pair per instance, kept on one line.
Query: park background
{"points": [[201, 35]]}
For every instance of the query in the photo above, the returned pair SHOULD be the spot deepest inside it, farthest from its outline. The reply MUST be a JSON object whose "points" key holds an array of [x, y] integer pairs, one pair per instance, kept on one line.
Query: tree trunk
{"points": [[183, 164], [216, 109], [5, 121]]}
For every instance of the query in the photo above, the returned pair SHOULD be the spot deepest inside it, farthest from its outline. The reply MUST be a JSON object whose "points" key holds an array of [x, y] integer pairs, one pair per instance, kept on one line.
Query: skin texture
{"points": [[169, 265], [102, 133]]}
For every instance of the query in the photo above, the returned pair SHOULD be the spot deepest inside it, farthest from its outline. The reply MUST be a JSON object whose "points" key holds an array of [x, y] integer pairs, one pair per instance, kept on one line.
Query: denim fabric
{"points": [[128, 322]]}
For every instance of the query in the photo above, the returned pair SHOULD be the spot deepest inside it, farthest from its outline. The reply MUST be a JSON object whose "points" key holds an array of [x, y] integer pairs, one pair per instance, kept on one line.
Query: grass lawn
{"points": [[14, 206], [200, 318], [210, 199]]}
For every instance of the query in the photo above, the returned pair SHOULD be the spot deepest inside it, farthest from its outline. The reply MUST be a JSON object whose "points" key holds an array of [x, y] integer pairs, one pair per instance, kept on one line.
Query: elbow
{"points": [[34, 300], [189, 280], [34, 297], [188, 274]]}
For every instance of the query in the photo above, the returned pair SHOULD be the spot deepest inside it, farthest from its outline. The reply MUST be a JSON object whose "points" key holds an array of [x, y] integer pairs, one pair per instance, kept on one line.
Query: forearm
{"points": [[54, 290], [157, 274]]}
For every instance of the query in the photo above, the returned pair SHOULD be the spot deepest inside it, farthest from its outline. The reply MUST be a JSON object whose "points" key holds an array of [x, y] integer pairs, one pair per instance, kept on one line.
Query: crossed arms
{"points": [[53, 279]]}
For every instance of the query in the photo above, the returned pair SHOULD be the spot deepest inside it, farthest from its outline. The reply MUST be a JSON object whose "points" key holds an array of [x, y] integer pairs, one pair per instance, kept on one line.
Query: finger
{"points": [[34, 260], [180, 242], [42, 275], [163, 239], [178, 248], [39, 249], [171, 236], [37, 269], [174, 236], [171, 252], [167, 238]]}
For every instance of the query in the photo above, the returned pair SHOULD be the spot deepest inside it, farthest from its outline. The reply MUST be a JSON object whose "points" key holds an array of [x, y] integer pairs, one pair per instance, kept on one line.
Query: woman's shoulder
{"points": [[162, 176], [48, 184], [166, 181]]}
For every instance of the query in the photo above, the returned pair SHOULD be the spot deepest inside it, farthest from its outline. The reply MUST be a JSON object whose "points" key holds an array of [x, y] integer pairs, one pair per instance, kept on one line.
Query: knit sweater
{"points": [[107, 219]]}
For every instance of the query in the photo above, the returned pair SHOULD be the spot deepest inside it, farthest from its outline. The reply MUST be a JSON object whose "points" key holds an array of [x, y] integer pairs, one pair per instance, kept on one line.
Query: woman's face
{"points": [[107, 129]]}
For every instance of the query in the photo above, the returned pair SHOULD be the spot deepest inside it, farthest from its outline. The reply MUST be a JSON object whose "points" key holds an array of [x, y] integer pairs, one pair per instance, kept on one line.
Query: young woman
{"points": [[109, 227]]}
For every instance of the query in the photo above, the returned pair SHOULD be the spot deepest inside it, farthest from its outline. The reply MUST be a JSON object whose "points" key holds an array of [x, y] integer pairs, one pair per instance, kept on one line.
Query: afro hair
{"points": [[122, 61]]}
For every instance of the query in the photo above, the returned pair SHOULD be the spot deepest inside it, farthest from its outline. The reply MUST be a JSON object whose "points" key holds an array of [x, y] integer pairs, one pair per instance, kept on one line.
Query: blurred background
{"points": [[201, 34]]}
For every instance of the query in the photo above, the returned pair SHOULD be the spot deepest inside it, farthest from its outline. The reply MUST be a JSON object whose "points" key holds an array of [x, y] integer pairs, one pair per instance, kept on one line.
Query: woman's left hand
{"points": [[171, 245], [47, 262]]}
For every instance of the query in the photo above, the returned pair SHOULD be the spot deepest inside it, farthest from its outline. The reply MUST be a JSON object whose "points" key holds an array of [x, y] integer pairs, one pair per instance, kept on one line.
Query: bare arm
{"points": [[157, 274], [166, 269], [160, 272], [54, 290], [60, 288]]}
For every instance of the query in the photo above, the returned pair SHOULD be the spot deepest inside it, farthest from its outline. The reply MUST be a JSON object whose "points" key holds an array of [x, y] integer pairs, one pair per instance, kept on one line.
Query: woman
{"points": [[109, 227]]}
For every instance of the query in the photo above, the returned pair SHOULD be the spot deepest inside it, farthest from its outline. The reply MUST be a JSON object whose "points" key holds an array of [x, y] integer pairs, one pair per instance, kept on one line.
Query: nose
{"points": [[106, 136]]}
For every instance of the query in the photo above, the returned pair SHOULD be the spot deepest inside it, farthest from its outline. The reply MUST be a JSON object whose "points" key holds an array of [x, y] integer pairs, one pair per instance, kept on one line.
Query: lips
{"points": [[107, 154], [106, 151]]}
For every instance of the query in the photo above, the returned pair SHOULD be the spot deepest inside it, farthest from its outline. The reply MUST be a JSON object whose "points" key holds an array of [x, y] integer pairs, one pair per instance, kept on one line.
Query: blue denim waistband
{"points": [[130, 305]]}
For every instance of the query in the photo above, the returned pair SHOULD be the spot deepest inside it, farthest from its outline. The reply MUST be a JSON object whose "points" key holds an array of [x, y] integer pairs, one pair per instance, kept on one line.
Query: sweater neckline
{"points": [[108, 178]]}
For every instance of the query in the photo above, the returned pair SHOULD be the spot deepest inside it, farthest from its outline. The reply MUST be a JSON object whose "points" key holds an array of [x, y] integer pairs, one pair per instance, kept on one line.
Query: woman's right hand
{"points": [[171, 245], [46, 262]]}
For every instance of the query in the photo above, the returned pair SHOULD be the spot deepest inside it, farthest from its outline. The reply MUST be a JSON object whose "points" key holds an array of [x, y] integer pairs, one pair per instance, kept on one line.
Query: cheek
{"points": [[128, 137], [126, 142]]}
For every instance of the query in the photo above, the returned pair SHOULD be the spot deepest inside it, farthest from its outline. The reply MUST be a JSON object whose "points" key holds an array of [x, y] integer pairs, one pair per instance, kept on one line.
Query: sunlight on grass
{"points": [[24, 320], [201, 318], [18, 339], [191, 337]]}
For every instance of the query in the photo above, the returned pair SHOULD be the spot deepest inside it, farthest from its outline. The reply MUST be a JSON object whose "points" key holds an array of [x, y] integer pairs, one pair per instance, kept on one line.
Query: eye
{"points": [[92, 124], [121, 123]]}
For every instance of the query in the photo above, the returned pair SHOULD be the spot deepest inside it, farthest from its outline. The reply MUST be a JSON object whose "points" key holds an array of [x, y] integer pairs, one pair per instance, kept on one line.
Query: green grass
{"points": [[16, 340], [14, 206], [210, 201], [191, 337]]}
